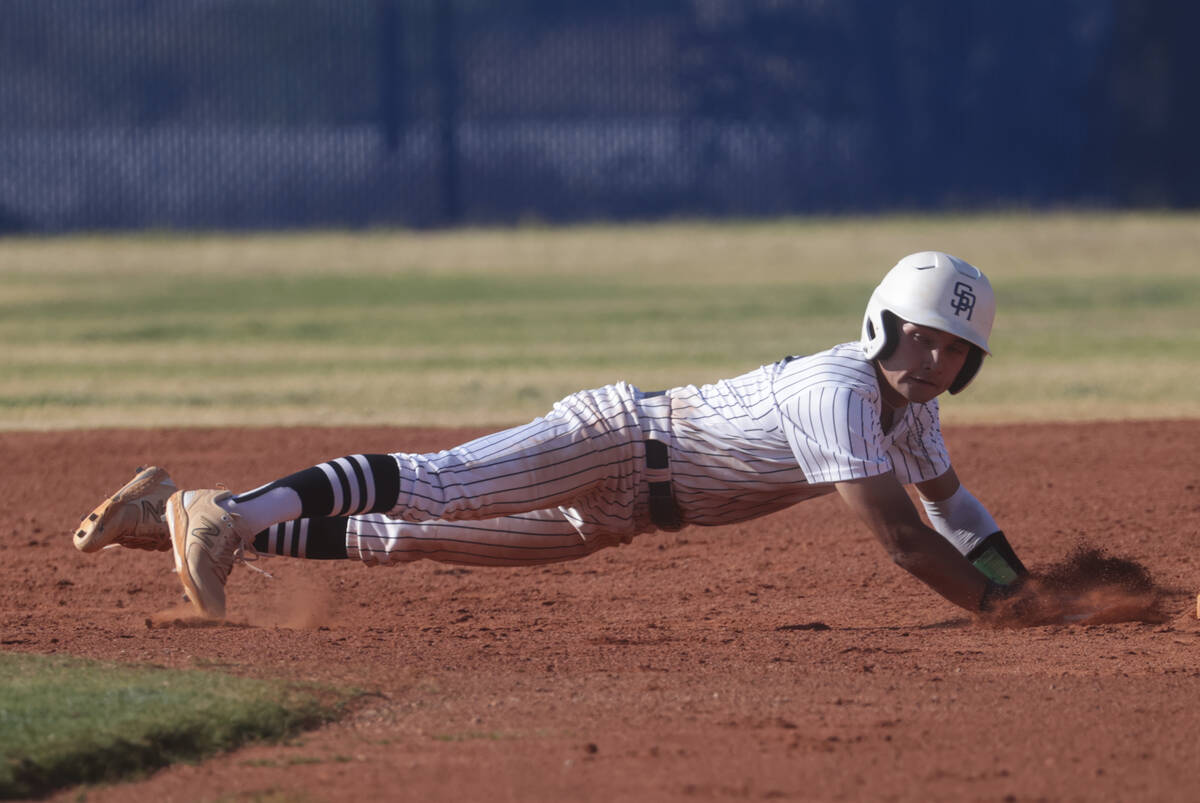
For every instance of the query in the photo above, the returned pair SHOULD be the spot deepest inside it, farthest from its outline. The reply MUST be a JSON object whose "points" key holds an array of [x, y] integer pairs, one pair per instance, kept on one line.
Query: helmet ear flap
{"points": [[969, 369], [891, 333]]}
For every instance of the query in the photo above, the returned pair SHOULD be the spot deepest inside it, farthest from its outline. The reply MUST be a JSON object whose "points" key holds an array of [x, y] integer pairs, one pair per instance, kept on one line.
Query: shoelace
{"points": [[248, 561], [240, 554]]}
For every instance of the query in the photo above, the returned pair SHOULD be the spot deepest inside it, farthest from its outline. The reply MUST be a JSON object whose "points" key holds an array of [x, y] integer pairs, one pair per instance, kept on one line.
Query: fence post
{"points": [[446, 66], [391, 76]]}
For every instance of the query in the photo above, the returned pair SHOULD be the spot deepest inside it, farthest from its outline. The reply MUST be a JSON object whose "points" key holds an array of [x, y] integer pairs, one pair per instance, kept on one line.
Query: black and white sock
{"points": [[359, 483], [316, 539]]}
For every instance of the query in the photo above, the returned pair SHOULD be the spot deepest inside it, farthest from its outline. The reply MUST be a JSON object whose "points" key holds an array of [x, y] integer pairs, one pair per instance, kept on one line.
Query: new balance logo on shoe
{"points": [[154, 511], [209, 534]]}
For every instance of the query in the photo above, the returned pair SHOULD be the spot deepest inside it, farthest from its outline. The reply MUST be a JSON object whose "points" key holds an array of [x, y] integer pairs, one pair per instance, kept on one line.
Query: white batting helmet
{"points": [[933, 289]]}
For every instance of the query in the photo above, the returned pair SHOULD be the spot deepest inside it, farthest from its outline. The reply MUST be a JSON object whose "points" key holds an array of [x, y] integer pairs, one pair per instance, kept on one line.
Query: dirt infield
{"points": [[783, 659]]}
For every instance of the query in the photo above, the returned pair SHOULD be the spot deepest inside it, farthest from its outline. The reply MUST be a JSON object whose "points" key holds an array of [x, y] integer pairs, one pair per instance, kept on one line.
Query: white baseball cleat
{"points": [[132, 517], [206, 540]]}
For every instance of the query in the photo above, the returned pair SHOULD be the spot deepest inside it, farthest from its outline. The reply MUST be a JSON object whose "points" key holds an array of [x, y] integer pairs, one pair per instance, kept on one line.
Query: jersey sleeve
{"points": [[835, 434], [920, 454]]}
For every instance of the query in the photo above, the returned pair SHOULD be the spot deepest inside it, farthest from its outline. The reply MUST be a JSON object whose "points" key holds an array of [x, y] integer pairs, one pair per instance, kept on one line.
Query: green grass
{"points": [[66, 721], [490, 327]]}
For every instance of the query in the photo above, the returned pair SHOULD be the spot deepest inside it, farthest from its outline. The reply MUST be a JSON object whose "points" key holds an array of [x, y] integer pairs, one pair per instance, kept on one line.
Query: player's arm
{"points": [[883, 504], [963, 520]]}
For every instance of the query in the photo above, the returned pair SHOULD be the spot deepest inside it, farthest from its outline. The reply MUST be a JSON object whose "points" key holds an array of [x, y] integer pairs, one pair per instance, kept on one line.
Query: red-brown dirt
{"points": [[782, 659]]}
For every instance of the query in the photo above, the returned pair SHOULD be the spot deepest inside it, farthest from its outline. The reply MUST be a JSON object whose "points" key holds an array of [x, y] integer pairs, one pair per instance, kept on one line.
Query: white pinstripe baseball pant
{"points": [[556, 489]]}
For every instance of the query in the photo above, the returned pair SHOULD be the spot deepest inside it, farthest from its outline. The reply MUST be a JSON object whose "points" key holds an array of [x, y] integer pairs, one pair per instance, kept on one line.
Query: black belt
{"points": [[663, 510]]}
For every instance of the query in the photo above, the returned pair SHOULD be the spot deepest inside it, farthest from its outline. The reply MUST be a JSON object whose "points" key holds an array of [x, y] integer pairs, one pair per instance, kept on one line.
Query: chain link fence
{"points": [[251, 114]]}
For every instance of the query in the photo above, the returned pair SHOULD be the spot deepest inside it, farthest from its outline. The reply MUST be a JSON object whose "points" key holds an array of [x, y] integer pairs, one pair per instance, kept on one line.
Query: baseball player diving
{"points": [[859, 420]]}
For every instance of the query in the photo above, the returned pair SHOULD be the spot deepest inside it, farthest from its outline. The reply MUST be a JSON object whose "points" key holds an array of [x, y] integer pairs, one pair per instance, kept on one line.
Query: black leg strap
{"points": [[664, 512]]}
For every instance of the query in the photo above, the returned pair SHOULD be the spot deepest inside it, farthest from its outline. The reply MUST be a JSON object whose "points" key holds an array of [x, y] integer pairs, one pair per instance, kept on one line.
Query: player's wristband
{"points": [[995, 558]]}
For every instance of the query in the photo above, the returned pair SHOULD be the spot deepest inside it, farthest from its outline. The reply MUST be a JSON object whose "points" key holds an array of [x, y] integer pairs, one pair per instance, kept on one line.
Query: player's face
{"points": [[922, 366]]}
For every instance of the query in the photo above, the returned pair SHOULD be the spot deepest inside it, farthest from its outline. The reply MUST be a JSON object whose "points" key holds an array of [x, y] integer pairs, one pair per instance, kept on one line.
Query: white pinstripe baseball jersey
{"points": [[576, 480], [784, 433]]}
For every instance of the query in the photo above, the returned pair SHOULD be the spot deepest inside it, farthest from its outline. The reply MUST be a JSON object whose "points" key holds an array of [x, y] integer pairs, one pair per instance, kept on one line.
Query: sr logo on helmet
{"points": [[963, 302]]}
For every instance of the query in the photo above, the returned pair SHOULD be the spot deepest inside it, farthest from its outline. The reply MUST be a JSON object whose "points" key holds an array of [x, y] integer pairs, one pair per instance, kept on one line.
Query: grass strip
{"points": [[490, 327], [66, 721]]}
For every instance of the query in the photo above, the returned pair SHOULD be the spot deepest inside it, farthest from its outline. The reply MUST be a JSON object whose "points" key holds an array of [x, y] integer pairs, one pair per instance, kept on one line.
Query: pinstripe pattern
{"points": [[587, 449], [786, 432], [572, 482], [555, 489], [541, 536]]}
